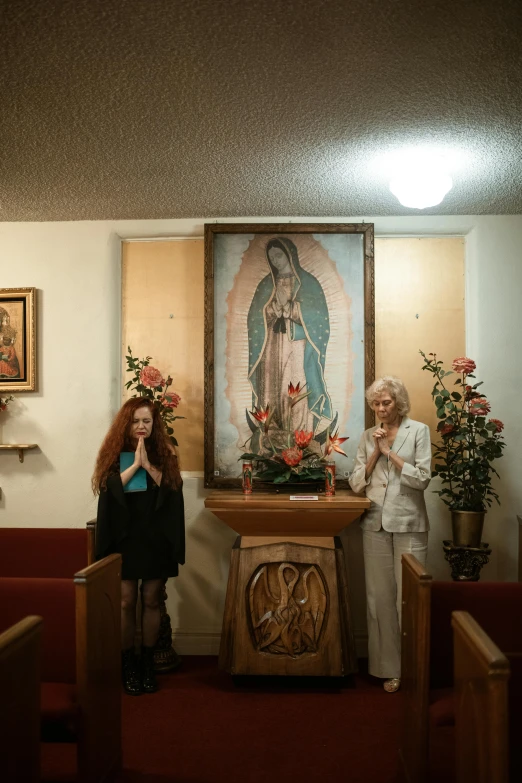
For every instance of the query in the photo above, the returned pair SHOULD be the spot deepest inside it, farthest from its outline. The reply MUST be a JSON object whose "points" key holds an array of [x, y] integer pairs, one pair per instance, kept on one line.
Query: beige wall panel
{"points": [[162, 317], [419, 304]]}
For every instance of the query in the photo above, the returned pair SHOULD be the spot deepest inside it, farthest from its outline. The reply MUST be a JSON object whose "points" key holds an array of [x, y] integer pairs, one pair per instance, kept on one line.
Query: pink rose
{"points": [[445, 427], [171, 400], [292, 456], [463, 364], [479, 406], [498, 424], [152, 377]]}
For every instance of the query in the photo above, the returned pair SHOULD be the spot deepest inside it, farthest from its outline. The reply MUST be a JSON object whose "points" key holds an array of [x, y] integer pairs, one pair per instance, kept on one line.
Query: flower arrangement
{"points": [[149, 382], [282, 455], [4, 402], [468, 442]]}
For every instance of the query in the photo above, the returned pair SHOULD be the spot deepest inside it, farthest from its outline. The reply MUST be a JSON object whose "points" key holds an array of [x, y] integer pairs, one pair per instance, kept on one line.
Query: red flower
{"points": [[498, 424], [296, 393], [264, 417], [463, 364], [152, 377], [292, 456], [333, 443], [302, 438], [479, 406], [171, 400], [444, 427], [261, 415]]}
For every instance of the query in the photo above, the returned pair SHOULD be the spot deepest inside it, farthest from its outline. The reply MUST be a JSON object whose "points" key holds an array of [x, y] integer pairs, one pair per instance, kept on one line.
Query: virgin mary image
{"points": [[288, 333]]}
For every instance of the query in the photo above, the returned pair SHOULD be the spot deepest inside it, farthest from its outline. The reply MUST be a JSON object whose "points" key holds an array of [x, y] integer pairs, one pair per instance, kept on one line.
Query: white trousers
{"points": [[383, 574]]}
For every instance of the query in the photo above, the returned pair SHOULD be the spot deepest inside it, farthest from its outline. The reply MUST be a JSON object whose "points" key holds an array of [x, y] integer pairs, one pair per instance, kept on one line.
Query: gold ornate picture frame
{"points": [[17, 339], [330, 309]]}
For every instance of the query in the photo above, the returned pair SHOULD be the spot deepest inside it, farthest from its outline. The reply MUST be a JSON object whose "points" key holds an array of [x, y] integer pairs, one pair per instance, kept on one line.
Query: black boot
{"points": [[148, 675], [130, 672]]}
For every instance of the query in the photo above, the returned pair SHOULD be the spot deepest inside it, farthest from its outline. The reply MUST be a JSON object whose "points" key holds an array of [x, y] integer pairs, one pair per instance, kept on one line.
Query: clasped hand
{"points": [[141, 458], [380, 439]]}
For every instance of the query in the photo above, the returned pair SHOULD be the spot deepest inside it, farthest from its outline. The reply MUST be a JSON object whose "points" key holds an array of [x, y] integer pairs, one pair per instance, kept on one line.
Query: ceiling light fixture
{"points": [[420, 180]]}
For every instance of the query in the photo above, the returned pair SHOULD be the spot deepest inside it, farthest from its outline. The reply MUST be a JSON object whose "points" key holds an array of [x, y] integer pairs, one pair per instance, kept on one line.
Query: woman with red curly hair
{"points": [[146, 527]]}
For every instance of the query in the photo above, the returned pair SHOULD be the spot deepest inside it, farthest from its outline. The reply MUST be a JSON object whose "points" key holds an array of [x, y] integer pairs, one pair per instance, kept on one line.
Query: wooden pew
{"points": [[81, 661], [481, 704], [415, 660], [20, 652], [427, 653], [46, 552]]}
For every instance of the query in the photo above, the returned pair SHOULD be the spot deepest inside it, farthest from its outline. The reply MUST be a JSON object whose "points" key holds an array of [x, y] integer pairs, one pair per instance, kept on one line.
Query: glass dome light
{"points": [[421, 182]]}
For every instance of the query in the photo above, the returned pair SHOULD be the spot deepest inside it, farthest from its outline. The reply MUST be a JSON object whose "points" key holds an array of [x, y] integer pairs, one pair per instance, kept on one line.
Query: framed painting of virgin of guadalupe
{"points": [[289, 344]]}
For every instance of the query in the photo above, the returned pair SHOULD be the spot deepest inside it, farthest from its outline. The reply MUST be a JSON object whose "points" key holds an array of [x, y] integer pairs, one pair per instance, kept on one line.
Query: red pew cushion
{"points": [[442, 707], [54, 601], [42, 552], [496, 606], [59, 712]]}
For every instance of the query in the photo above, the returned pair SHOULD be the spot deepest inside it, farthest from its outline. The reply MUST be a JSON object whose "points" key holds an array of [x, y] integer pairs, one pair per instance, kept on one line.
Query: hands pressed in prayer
{"points": [[380, 437], [140, 457]]}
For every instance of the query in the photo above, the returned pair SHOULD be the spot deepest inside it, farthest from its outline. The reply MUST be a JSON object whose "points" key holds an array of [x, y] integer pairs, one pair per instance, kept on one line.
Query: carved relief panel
{"points": [[287, 608]]}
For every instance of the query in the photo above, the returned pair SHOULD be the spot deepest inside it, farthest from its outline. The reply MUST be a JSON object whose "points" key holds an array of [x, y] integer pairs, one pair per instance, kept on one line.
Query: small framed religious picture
{"points": [[289, 349], [17, 339]]}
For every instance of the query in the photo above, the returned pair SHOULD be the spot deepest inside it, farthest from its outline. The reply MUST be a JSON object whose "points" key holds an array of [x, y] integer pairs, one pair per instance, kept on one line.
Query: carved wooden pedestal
{"points": [[287, 610], [466, 562]]}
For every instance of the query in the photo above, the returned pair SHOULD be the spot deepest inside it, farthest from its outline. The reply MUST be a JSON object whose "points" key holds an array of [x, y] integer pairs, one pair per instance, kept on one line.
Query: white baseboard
{"points": [[196, 642], [207, 643]]}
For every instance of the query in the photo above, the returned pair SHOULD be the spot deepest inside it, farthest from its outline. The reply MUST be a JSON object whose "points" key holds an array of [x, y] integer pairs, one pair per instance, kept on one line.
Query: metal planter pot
{"points": [[467, 527]]}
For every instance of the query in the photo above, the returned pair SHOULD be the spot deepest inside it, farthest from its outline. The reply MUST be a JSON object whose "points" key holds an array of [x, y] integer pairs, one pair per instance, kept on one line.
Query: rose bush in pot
{"points": [[469, 443]]}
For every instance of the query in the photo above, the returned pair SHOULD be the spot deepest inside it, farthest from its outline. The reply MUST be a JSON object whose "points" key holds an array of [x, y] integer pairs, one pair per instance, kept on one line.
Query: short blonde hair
{"points": [[395, 387]]}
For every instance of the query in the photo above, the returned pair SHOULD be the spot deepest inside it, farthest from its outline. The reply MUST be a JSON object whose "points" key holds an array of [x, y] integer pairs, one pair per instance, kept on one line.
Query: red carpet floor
{"points": [[202, 728]]}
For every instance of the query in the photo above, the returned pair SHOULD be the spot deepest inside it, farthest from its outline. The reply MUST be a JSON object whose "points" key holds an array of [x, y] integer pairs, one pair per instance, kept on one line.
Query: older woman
{"points": [[393, 466]]}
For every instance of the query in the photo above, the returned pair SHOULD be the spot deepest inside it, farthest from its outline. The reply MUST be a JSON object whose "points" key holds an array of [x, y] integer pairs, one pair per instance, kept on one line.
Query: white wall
{"points": [[494, 339], [76, 269]]}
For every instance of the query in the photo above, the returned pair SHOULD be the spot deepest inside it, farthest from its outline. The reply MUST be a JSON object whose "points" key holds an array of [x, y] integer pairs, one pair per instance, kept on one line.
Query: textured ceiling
{"points": [[166, 108]]}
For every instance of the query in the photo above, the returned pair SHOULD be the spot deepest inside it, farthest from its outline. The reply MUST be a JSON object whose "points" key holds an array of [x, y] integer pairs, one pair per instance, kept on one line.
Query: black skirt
{"points": [[146, 551]]}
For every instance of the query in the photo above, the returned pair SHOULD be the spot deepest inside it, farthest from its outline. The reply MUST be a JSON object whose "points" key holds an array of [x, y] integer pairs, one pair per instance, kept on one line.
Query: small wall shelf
{"points": [[20, 447]]}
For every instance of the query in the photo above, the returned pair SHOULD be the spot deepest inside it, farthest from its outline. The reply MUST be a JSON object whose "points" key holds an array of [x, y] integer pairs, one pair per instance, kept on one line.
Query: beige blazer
{"points": [[397, 496]]}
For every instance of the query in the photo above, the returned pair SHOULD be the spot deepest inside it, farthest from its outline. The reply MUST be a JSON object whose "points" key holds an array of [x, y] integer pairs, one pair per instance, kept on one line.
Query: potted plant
{"points": [[284, 455], [4, 402], [149, 382], [468, 444]]}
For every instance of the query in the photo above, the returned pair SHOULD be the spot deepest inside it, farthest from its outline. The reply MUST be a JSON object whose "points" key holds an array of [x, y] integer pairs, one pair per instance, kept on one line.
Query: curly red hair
{"points": [[160, 451]]}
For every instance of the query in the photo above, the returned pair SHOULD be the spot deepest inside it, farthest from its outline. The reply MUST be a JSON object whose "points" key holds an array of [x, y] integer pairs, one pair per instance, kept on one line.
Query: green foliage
{"points": [[157, 395], [275, 469], [467, 445]]}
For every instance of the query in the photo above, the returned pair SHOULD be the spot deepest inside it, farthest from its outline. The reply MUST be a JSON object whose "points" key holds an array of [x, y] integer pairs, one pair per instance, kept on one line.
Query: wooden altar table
{"points": [[287, 609]]}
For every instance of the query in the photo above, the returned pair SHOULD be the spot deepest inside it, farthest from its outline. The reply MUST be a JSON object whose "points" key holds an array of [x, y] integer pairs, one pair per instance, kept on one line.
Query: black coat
{"points": [[113, 518]]}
